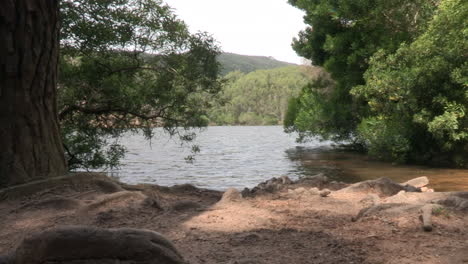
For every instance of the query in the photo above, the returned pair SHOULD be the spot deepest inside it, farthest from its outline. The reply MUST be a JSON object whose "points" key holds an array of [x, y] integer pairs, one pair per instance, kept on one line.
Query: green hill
{"points": [[259, 97], [234, 62]]}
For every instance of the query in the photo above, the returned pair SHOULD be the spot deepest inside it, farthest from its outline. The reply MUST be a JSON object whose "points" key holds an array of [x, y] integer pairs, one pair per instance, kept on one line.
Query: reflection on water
{"points": [[351, 167], [244, 156]]}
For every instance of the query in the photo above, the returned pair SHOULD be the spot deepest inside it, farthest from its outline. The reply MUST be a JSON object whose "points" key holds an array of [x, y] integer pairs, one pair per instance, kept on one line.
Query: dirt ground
{"points": [[292, 225]]}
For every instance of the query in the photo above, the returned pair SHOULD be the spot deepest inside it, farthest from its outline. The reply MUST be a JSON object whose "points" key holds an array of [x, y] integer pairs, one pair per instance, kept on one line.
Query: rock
{"points": [[300, 190], [325, 193], [426, 216], [87, 245], [314, 191], [389, 208], [246, 193], [270, 186], [318, 180], [285, 180], [108, 186], [425, 197], [184, 188], [425, 189], [231, 195], [272, 181], [418, 182], [381, 187], [370, 200], [457, 201]]}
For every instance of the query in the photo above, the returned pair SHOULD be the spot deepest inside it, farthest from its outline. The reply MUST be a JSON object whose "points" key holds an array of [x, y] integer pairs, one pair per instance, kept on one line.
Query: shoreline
{"points": [[278, 221]]}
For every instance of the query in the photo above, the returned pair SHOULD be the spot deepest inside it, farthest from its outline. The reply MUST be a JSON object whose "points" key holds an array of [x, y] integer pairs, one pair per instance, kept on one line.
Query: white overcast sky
{"points": [[248, 27]]}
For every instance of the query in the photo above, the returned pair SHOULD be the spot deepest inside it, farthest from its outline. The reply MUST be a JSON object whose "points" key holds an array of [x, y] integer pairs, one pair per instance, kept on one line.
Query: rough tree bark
{"points": [[30, 142]]}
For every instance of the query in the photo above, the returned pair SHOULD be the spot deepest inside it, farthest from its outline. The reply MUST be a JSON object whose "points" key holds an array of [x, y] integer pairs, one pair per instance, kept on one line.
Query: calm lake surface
{"points": [[243, 156]]}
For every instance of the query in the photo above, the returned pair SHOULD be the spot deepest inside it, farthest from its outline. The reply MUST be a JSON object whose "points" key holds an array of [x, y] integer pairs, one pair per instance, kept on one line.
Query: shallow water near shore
{"points": [[352, 167], [245, 156]]}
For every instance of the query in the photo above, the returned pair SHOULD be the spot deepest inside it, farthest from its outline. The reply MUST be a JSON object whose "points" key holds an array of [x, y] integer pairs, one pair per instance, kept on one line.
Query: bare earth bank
{"points": [[277, 222]]}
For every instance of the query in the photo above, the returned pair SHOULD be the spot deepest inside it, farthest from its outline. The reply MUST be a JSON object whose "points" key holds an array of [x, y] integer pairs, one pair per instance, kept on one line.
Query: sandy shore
{"points": [[283, 223]]}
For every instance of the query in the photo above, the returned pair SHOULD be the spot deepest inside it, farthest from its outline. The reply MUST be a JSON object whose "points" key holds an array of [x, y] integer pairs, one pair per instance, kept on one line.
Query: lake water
{"points": [[243, 156]]}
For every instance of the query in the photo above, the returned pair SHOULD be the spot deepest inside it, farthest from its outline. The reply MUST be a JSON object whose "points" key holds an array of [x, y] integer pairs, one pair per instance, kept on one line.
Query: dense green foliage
{"points": [[419, 94], [235, 62], [399, 71], [128, 65], [342, 37], [259, 97], [309, 114]]}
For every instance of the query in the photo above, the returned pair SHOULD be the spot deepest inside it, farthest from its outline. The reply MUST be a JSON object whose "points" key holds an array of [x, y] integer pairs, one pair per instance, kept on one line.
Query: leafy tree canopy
{"points": [[419, 94], [407, 95], [128, 65], [342, 36]]}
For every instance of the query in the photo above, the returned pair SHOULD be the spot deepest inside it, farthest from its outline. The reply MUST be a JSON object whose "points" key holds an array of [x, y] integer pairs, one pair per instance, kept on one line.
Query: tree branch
{"points": [[108, 110]]}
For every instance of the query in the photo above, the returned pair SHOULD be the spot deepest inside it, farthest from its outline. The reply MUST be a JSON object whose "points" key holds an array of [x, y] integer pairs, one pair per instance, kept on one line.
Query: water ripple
{"points": [[230, 157]]}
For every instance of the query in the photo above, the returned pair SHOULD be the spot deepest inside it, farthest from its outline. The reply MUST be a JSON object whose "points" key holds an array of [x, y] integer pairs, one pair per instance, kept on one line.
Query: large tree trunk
{"points": [[30, 142]]}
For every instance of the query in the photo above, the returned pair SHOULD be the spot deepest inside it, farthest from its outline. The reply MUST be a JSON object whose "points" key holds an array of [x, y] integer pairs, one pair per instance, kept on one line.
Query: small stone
{"points": [[418, 182], [285, 180], [314, 191], [231, 195], [300, 190], [325, 193]]}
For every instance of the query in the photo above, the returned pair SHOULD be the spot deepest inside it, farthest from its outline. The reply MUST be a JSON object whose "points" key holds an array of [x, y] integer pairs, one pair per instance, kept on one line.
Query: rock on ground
{"points": [[231, 195], [382, 187], [86, 245], [418, 182]]}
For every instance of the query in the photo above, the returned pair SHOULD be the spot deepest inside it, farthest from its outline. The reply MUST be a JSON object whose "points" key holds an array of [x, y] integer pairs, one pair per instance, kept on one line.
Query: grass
{"points": [[441, 211]]}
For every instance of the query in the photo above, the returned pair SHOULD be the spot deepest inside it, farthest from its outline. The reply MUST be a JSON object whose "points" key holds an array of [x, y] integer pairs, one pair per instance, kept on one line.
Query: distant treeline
{"points": [[259, 97], [235, 62]]}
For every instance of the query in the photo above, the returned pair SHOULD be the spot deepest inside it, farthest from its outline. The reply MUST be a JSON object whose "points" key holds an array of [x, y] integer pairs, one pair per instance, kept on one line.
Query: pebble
{"points": [[325, 193]]}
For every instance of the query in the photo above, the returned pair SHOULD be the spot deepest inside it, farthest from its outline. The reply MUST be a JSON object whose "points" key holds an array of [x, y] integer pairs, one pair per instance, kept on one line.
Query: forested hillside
{"points": [[259, 97], [235, 62]]}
